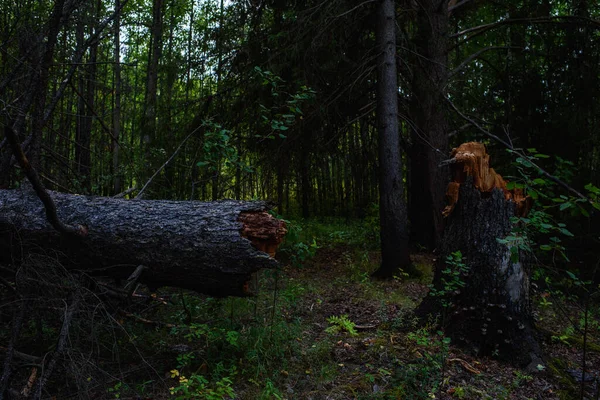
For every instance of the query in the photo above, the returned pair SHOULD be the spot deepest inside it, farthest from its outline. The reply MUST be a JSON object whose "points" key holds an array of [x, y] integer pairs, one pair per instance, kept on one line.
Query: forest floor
{"points": [[391, 356], [329, 331]]}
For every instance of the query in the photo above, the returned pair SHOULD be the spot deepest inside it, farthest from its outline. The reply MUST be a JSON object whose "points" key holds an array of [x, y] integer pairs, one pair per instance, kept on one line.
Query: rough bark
{"points": [[430, 133], [392, 206], [211, 248], [491, 313]]}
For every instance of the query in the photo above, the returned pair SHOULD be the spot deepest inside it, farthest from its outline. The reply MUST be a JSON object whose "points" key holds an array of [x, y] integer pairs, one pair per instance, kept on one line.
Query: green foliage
{"points": [[116, 390], [423, 378], [246, 339], [359, 265], [521, 378], [452, 279], [544, 233], [281, 117], [270, 392], [197, 386], [341, 324], [296, 246], [539, 230], [302, 252], [208, 335], [217, 148], [330, 232]]}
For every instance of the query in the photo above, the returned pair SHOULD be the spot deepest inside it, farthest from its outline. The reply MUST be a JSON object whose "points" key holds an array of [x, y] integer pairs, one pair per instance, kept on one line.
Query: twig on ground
{"points": [[60, 346]]}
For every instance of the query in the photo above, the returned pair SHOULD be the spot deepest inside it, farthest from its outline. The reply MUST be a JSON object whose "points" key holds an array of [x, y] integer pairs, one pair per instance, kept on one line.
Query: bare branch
{"points": [[125, 192], [24, 356], [354, 8], [477, 54], [458, 130], [139, 195], [60, 346], [453, 7], [39, 188], [133, 279], [8, 285], [520, 153], [535, 20], [77, 60]]}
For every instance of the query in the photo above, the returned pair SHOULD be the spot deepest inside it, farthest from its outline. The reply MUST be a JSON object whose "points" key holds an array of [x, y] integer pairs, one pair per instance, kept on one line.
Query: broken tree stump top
{"points": [[472, 159]]}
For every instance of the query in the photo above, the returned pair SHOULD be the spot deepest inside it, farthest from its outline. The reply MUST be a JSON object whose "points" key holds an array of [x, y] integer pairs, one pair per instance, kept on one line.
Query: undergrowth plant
{"points": [[229, 340], [297, 247], [306, 237], [197, 386], [341, 324], [543, 236], [425, 376], [452, 279]]}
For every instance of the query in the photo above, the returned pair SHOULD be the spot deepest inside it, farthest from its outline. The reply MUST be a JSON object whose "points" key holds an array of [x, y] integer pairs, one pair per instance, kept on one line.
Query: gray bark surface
{"points": [[192, 245], [392, 206], [430, 134], [492, 312]]}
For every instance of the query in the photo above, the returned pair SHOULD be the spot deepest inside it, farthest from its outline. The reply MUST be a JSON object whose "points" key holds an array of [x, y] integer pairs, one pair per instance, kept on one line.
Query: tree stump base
{"points": [[489, 310]]}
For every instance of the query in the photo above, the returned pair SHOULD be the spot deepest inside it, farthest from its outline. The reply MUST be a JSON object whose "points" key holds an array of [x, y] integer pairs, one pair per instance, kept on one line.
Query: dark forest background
{"points": [[276, 100]]}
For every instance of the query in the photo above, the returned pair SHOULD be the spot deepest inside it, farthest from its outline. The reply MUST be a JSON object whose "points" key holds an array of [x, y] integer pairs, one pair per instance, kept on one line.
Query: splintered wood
{"points": [[471, 159], [263, 230]]}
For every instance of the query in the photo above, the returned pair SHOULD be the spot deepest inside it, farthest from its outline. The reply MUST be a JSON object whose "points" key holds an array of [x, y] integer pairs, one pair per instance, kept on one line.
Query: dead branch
{"points": [[39, 188], [520, 153], [60, 346]]}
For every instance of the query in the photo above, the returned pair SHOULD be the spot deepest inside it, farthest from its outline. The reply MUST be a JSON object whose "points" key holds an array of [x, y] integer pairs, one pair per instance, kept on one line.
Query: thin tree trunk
{"points": [[148, 126], [43, 74], [85, 140], [85, 108], [216, 180], [117, 185], [188, 80], [280, 186], [305, 178]]}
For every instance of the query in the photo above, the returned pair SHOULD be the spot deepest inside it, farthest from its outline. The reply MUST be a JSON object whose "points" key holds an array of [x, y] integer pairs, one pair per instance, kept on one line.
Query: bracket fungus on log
{"points": [[489, 310], [212, 248]]}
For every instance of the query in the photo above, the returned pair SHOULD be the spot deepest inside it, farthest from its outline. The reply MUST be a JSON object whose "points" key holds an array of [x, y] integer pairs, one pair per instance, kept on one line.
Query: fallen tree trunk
{"points": [[212, 248], [482, 293]]}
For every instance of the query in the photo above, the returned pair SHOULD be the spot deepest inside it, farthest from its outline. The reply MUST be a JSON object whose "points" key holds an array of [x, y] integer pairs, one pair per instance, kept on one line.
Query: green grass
{"points": [[280, 345]]}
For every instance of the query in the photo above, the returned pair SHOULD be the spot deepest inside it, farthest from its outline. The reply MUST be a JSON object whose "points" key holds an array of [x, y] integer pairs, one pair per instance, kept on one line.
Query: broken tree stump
{"points": [[489, 310], [212, 248]]}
